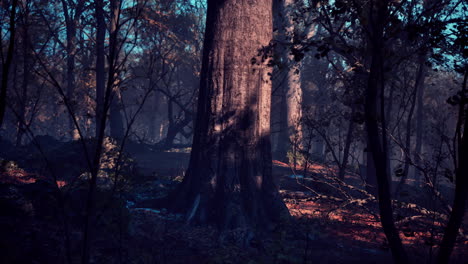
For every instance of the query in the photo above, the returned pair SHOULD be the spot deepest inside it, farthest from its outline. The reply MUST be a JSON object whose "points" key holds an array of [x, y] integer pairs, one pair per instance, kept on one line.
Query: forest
{"points": [[233, 131]]}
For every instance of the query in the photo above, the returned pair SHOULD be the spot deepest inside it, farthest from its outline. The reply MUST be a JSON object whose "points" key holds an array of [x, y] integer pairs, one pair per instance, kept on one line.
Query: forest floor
{"points": [[333, 221]]}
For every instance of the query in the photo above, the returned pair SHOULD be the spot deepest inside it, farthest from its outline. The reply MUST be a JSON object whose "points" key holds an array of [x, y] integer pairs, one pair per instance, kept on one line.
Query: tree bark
{"points": [[347, 148], [229, 181], [8, 61], [116, 124], [103, 97], [71, 21], [371, 175], [461, 185], [100, 63], [374, 111], [419, 129], [419, 83], [23, 95], [174, 127]]}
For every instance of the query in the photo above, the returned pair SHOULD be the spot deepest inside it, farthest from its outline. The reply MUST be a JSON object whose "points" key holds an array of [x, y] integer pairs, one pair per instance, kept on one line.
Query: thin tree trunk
{"points": [[374, 111], [8, 61], [171, 132], [174, 127], [153, 130], [229, 180], [116, 124], [371, 175], [388, 118], [419, 128], [319, 144], [23, 96], [408, 136], [71, 76], [349, 140], [461, 186], [71, 23], [419, 83], [100, 63], [282, 144], [105, 94]]}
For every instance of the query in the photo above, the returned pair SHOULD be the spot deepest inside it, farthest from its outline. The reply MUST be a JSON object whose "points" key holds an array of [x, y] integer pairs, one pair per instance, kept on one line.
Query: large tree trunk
{"points": [[374, 111], [229, 180]]}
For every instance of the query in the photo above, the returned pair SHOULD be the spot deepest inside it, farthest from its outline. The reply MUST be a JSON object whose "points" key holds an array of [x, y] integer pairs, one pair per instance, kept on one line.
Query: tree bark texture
{"points": [[229, 181]]}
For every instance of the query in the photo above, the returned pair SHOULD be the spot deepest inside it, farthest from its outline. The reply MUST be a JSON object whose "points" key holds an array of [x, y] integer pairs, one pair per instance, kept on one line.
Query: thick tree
{"points": [[229, 180]]}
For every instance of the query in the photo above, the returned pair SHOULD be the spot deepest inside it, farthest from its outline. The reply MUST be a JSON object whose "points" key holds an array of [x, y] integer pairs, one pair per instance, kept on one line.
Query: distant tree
{"points": [[6, 64], [289, 82], [72, 12], [116, 125], [100, 64], [169, 66]]}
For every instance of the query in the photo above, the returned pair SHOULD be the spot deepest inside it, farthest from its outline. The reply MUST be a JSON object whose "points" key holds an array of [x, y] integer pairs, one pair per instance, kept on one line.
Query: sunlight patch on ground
{"points": [[353, 225]]}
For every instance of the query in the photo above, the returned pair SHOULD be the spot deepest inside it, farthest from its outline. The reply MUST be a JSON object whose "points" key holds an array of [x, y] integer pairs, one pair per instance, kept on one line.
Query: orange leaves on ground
{"points": [[17, 176], [311, 167], [354, 224], [61, 184]]}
